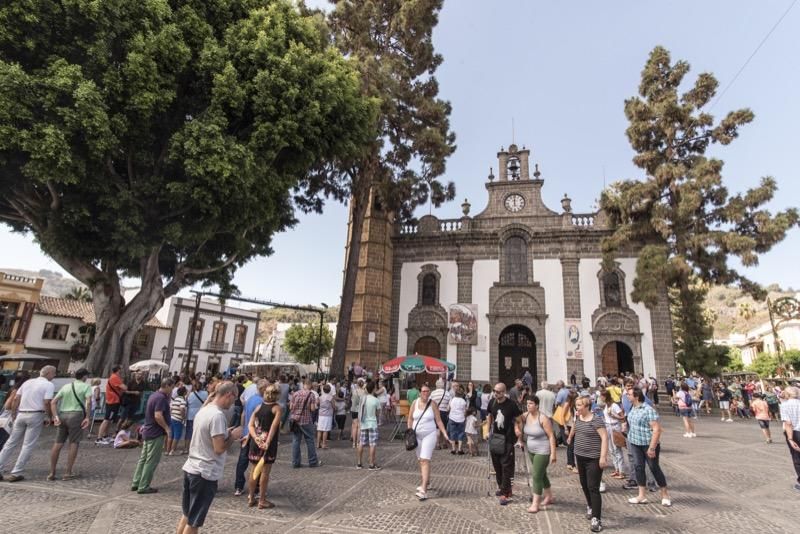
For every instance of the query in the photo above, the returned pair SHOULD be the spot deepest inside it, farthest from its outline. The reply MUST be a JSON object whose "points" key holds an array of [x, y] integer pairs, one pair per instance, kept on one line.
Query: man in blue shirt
{"points": [[249, 407]]}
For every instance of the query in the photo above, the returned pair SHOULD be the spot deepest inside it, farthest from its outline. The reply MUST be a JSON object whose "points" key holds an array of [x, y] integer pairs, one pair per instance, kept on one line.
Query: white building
{"points": [[224, 336], [273, 350], [62, 329], [762, 339]]}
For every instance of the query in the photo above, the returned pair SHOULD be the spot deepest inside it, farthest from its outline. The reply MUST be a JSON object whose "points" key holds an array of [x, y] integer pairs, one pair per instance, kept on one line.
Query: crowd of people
{"points": [[614, 424]]}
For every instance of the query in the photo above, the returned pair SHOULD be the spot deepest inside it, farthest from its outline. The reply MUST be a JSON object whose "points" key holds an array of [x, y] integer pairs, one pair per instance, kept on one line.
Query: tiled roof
{"points": [[77, 309]]}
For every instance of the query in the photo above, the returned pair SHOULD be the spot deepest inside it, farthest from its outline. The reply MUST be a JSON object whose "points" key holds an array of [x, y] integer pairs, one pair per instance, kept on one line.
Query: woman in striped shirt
{"points": [[590, 440]]}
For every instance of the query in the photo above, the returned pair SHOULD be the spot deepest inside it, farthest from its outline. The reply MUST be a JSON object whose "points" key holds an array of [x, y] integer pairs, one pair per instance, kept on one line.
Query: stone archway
{"points": [[516, 354], [616, 325]]}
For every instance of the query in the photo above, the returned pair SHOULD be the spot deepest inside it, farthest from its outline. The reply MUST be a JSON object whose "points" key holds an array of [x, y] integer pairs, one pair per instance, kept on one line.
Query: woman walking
{"points": [[644, 433], [540, 443], [761, 412], [263, 430], [613, 416], [427, 424], [568, 417], [685, 406], [590, 441]]}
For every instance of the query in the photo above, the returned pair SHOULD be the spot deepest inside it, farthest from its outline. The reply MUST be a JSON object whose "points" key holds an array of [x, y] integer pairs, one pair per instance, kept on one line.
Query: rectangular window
{"points": [[218, 334], [142, 338], [239, 337], [55, 331], [198, 333]]}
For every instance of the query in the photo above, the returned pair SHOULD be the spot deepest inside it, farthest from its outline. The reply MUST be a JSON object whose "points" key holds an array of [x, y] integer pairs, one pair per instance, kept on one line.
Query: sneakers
{"points": [[421, 495], [589, 512], [687, 435], [374, 468], [797, 487], [721, 418], [729, 420], [602, 487], [597, 525], [15, 478], [629, 485], [636, 500], [666, 502], [359, 466], [505, 500], [693, 435]]}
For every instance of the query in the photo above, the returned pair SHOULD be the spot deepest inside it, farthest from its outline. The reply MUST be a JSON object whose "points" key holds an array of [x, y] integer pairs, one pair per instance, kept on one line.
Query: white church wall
{"points": [[590, 301], [484, 274], [628, 266], [448, 293], [548, 274]]}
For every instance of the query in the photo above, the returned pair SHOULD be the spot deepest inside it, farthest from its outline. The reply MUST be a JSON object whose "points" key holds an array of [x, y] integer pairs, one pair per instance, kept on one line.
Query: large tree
{"points": [[164, 139], [691, 225], [303, 341], [392, 41]]}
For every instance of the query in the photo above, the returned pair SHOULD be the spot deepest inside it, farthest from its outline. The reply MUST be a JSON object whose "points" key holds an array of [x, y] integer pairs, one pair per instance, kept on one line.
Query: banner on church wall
{"points": [[463, 324], [572, 327]]}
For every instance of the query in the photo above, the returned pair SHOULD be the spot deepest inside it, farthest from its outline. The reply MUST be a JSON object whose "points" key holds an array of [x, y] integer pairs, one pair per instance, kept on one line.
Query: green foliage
{"points": [[735, 363], [689, 221], [792, 357], [765, 364], [285, 315], [79, 293], [181, 126], [303, 342]]}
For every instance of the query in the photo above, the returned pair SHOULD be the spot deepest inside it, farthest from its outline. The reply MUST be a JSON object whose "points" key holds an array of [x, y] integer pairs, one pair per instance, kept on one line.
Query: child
{"points": [[177, 412], [341, 413], [123, 439], [472, 431]]}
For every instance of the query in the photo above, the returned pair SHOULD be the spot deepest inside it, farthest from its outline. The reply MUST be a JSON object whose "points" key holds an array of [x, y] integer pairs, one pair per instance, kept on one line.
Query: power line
{"points": [[764, 40]]}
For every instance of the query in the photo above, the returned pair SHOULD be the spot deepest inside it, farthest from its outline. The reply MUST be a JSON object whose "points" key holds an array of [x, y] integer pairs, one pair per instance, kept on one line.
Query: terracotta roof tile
{"points": [[77, 309]]}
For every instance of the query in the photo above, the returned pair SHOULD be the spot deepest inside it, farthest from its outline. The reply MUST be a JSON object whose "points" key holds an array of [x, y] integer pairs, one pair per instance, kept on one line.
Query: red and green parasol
{"points": [[417, 364]]}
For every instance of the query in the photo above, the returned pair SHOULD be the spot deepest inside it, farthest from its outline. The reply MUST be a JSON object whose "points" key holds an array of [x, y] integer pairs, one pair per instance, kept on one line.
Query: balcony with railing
{"points": [[217, 346], [6, 331], [583, 220], [238, 348]]}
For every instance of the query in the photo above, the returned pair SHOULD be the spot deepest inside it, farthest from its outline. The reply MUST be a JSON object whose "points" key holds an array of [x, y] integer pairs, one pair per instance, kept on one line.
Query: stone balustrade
{"points": [[583, 219]]}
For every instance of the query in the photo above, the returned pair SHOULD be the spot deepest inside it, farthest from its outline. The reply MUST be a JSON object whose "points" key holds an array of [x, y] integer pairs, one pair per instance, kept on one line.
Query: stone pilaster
{"points": [[661, 327], [464, 352], [571, 283]]}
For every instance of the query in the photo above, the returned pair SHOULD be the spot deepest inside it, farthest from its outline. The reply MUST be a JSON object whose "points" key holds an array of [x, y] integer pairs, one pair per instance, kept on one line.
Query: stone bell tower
{"points": [[368, 339]]}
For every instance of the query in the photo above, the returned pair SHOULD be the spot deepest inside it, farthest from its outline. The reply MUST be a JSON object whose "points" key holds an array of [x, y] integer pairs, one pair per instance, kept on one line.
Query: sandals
{"points": [[262, 505], [70, 476], [251, 501], [635, 500], [51, 477]]}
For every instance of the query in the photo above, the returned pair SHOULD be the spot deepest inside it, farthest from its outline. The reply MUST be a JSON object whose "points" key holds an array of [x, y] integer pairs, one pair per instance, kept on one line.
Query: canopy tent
{"points": [[418, 364]]}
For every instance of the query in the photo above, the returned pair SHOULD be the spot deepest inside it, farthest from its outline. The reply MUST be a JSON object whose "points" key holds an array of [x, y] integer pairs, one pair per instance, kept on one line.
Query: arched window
{"points": [[612, 290], [429, 289], [515, 251]]}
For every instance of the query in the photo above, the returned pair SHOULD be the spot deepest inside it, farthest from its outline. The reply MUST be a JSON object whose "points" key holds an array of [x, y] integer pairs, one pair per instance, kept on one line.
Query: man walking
{"points": [[31, 409], [115, 388], [368, 435], [301, 406], [156, 427], [547, 400], [790, 416], [503, 418], [206, 461], [72, 419]]}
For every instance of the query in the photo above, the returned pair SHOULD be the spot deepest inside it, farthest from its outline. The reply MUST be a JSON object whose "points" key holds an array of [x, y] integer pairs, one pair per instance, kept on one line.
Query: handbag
{"points": [[619, 439], [410, 437], [497, 443], [558, 415], [294, 427]]}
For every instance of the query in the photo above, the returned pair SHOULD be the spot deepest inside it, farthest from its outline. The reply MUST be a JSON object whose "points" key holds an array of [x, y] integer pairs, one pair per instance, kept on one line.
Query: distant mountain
{"points": [[735, 312], [55, 283]]}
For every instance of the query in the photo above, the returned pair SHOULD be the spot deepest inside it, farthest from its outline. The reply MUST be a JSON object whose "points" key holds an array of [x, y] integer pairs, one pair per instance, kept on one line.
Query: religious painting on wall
{"points": [[463, 324], [574, 338]]}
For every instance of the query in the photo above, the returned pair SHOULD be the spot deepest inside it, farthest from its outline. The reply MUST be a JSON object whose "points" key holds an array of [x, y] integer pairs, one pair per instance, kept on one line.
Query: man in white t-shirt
{"points": [[547, 399], [206, 461], [31, 409]]}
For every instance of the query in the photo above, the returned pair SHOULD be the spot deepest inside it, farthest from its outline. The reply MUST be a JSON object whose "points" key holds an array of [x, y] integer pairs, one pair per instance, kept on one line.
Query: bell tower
{"points": [[368, 339]]}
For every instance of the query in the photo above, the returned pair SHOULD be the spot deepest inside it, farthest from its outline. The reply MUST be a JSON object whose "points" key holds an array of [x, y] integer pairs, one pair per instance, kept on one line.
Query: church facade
{"points": [[516, 287]]}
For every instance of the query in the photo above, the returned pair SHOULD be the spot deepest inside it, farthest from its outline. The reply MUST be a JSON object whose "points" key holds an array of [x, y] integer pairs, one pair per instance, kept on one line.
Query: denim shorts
{"points": [[176, 429], [455, 431], [198, 494]]}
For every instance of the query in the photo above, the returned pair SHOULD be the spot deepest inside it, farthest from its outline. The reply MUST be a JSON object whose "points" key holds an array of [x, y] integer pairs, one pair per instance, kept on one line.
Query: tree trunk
{"points": [[118, 322], [359, 204]]}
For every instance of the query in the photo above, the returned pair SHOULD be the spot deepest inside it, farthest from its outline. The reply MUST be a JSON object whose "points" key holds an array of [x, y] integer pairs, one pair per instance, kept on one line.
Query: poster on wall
{"points": [[463, 324], [574, 338]]}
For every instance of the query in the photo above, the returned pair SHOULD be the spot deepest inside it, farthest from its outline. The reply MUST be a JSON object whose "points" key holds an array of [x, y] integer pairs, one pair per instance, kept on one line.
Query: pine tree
{"points": [[691, 225], [391, 41]]}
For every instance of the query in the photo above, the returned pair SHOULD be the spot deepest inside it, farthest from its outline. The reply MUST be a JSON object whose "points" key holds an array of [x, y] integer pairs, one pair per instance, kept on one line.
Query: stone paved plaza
{"points": [[725, 480]]}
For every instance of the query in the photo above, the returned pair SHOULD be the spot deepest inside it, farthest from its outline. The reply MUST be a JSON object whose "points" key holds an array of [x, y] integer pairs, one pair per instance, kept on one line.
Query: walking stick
{"points": [[525, 460]]}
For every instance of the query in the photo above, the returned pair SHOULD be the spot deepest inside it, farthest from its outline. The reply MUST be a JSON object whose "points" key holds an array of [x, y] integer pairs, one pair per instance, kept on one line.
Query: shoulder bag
{"points": [[410, 437]]}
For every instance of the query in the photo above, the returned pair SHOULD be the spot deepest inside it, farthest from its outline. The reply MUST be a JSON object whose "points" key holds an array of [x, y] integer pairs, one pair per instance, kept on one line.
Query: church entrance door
{"points": [[617, 358], [427, 346], [517, 354]]}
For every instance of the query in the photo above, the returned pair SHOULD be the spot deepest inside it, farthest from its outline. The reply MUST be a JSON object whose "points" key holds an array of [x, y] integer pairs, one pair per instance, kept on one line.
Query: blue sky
{"points": [[562, 71]]}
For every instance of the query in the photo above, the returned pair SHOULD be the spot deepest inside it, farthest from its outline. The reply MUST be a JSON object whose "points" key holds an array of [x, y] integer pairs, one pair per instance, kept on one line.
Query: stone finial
{"points": [[465, 207], [491, 174], [536, 173], [566, 203]]}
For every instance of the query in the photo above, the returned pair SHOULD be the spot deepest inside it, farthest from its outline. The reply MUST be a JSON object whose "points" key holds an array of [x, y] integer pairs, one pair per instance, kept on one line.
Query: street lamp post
{"points": [[319, 340]]}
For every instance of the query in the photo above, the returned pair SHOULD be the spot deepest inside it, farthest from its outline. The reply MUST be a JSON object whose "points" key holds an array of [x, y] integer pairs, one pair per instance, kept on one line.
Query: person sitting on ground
{"points": [[123, 439]]}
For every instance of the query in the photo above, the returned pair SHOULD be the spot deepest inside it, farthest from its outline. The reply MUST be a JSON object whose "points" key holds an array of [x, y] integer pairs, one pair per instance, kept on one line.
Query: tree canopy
{"points": [[303, 342], [392, 41], [690, 223], [165, 139]]}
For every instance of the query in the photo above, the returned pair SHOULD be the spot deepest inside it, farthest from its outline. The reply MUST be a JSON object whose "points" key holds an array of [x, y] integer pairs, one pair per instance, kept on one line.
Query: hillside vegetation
{"points": [[55, 283], [734, 312]]}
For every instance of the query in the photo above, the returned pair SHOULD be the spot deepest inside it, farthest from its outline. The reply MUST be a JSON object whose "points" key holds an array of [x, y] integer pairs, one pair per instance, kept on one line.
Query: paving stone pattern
{"points": [[725, 480]]}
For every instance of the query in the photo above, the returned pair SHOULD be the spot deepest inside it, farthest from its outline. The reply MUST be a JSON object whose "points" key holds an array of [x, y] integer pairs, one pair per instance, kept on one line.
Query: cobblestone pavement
{"points": [[725, 480]]}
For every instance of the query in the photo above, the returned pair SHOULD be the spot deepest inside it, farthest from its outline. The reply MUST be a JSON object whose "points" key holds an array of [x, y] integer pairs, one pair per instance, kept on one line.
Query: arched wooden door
{"points": [[427, 346], [517, 354], [617, 359]]}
